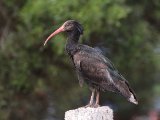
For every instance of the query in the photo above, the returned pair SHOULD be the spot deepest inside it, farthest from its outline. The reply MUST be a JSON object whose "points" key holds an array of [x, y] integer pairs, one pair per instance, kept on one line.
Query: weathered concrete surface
{"points": [[100, 113]]}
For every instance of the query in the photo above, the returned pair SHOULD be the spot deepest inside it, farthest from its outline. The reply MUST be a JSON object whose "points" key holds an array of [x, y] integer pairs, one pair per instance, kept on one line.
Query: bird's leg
{"points": [[97, 100], [91, 99]]}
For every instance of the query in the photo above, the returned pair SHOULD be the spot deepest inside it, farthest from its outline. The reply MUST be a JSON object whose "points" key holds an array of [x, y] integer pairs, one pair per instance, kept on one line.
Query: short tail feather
{"points": [[127, 91], [132, 99]]}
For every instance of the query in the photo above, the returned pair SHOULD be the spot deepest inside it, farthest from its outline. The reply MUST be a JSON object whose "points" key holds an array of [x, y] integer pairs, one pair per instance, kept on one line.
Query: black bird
{"points": [[92, 66]]}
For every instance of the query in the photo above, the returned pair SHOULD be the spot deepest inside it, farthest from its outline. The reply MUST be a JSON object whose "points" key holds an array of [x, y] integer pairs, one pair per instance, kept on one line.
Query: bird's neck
{"points": [[72, 42]]}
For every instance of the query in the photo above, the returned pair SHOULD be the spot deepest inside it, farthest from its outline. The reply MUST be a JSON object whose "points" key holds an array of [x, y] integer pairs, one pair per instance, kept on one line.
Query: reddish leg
{"points": [[91, 100], [97, 100]]}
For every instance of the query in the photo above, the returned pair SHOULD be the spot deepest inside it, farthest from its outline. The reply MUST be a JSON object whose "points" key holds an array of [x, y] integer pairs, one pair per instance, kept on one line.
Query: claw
{"points": [[96, 105], [92, 105], [89, 105]]}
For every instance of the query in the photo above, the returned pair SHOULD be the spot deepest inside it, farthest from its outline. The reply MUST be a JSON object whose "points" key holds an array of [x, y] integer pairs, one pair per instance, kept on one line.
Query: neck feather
{"points": [[72, 42]]}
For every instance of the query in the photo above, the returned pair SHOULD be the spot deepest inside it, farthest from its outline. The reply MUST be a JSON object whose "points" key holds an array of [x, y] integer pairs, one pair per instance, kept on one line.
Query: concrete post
{"points": [[100, 113]]}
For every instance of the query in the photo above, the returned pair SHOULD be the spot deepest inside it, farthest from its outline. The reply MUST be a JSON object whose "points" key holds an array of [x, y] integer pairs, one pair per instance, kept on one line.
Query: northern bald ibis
{"points": [[92, 66]]}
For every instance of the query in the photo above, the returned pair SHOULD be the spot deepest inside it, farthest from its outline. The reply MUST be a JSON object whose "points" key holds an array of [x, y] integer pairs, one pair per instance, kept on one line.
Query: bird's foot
{"points": [[89, 105], [92, 105], [96, 105]]}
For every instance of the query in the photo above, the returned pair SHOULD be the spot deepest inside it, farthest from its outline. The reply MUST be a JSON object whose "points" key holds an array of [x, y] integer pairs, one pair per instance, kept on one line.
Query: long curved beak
{"points": [[61, 29]]}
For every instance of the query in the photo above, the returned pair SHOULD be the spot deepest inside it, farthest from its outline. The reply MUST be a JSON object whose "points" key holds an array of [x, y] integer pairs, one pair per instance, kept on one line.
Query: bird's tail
{"points": [[132, 97], [126, 91]]}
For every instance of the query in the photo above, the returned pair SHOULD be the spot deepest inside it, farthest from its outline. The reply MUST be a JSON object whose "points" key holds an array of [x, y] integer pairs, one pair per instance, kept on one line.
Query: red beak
{"points": [[61, 29]]}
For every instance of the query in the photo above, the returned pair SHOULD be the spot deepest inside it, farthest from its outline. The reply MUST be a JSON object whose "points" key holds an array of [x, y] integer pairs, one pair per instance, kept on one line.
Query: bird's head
{"points": [[68, 26]]}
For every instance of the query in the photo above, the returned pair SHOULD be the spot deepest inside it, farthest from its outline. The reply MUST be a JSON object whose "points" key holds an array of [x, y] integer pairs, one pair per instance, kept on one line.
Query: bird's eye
{"points": [[68, 27]]}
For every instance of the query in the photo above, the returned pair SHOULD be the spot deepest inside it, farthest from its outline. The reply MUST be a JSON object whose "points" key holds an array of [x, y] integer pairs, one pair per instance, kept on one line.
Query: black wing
{"points": [[93, 64], [97, 54], [100, 72]]}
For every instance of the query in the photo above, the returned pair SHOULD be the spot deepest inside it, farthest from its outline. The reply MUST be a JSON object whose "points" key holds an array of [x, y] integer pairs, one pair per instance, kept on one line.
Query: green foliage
{"points": [[129, 28]]}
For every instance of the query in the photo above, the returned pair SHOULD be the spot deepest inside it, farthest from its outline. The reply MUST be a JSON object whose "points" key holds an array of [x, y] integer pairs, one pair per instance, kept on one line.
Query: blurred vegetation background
{"points": [[39, 83]]}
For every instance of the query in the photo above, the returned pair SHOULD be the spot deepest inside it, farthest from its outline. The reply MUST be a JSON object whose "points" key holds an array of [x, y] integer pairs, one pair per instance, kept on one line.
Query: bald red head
{"points": [[69, 25]]}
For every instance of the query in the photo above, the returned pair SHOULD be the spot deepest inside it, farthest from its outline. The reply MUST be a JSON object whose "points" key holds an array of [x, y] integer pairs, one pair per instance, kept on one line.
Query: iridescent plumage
{"points": [[92, 67]]}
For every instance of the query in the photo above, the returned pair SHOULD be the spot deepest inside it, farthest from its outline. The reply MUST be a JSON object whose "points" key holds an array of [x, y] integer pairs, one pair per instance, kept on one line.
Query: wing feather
{"points": [[100, 72]]}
